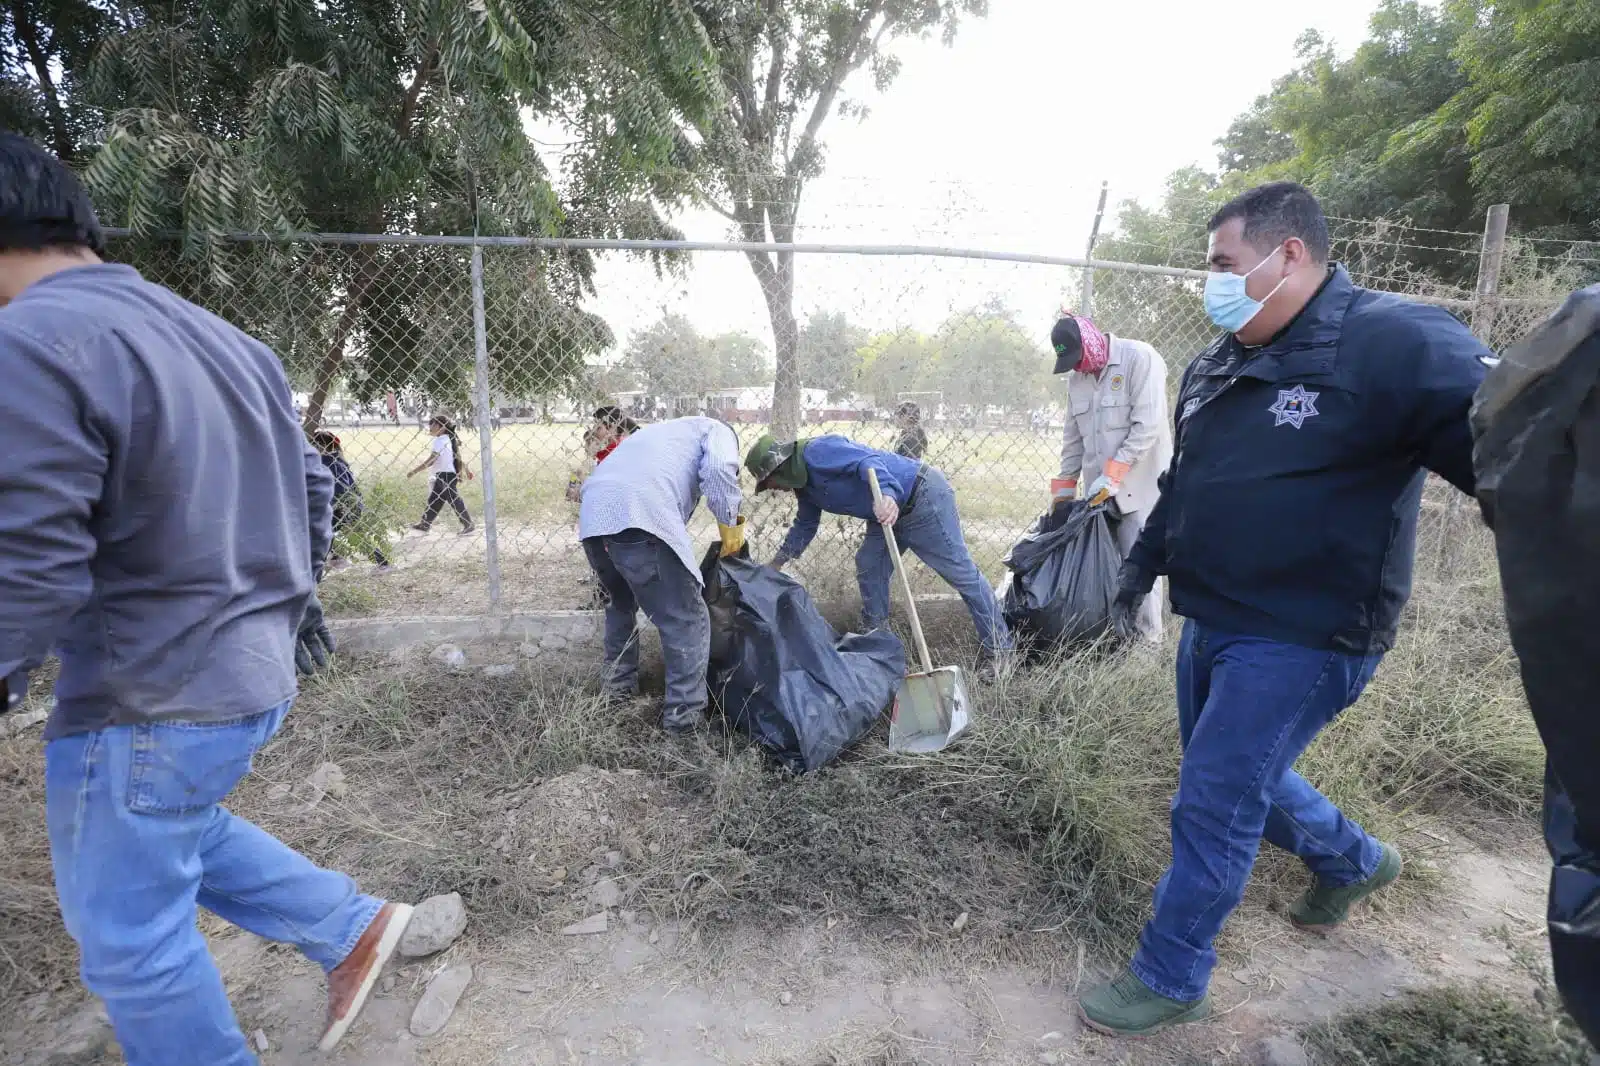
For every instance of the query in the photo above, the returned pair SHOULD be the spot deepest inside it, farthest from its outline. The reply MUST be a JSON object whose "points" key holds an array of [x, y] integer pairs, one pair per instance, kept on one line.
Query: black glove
{"points": [[314, 642], [1133, 586], [13, 690]]}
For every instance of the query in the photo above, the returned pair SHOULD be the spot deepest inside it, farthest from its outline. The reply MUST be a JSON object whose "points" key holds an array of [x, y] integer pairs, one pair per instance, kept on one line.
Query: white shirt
{"points": [[654, 479], [444, 456]]}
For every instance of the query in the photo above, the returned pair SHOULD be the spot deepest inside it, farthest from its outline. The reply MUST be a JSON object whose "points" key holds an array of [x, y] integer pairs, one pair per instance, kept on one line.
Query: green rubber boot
{"points": [[1129, 1007], [1323, 907]]}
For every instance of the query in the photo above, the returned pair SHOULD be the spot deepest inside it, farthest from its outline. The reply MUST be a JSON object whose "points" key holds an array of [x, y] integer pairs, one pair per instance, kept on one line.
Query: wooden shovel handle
{"points": [[905, 578]]}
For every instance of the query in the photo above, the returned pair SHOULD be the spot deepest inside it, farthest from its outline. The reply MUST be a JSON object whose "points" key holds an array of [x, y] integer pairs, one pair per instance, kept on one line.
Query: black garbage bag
{"points": [[782, 675], [1061, 577], [1536, 423]]}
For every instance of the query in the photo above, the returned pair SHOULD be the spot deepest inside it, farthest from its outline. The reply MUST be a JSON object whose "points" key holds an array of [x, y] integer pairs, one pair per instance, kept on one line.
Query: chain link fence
{"points": [[517, 341]]}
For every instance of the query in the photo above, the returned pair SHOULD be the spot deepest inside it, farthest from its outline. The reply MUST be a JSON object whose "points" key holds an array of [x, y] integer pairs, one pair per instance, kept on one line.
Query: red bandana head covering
{"points": [[1096, 349]]}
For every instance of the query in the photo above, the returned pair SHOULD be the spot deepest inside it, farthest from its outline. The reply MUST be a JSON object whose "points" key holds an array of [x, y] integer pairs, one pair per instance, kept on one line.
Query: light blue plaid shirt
{"points": [[654, 479]]}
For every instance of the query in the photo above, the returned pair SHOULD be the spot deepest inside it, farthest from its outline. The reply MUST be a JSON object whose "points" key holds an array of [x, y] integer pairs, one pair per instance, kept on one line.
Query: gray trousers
{"points": [[1149, 622], [640, 572]]}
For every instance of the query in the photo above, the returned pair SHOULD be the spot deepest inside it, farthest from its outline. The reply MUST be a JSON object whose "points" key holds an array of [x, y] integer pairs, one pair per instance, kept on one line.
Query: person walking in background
{"points": [[634, 526], [913, 442], [1117, 428], [163, 529], [829, 474], [447, 465], [1316, 415], [348, 506]]}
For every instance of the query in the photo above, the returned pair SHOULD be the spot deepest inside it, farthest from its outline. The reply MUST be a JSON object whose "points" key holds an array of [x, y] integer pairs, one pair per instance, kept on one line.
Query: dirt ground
{"points": [[644, 992], [810, 991]]}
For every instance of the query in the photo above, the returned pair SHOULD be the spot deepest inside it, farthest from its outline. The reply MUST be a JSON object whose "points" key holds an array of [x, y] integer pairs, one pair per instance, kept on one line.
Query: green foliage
{"points": [[209, 116], [829, 352], [1442, 111], [977, 358], [672, 359]]}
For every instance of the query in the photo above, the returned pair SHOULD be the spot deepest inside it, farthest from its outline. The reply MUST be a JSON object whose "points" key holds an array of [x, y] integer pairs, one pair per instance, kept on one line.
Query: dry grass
{"points": [[1049, 820]]}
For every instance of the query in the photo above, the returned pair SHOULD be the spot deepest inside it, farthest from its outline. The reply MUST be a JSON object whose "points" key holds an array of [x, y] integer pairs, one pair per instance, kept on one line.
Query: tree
{"points": [[1441, 112], [896, 362], [783, 66], [983, 357], [44, 46], [1533, 128], [269, 115], [829, 351], [672, 359]]}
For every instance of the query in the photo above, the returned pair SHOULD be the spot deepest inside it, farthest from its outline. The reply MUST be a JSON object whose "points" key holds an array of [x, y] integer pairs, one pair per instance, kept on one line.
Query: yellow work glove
{"points": [[732, 537]]}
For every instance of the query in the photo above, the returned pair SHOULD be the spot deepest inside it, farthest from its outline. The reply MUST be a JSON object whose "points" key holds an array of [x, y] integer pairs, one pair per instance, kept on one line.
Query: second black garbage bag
{"points": [[782, 675], [1061, 577]]}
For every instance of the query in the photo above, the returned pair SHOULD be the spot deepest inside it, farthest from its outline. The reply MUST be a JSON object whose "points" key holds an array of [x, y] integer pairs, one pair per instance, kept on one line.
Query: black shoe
{"points": [[995, 667], [468, 529], [421, 527]]}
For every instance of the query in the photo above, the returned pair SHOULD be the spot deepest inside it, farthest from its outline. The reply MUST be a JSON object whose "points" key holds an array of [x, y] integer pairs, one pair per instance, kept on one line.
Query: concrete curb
{"points": [[551, 630]]}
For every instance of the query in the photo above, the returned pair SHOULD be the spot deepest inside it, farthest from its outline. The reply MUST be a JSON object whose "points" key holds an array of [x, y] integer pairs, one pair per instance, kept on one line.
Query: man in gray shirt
{"points": [[163, 521], [634, 523]]}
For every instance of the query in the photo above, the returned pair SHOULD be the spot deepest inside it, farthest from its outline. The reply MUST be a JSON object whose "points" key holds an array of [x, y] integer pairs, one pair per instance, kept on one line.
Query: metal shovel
{"points": [[931, 708]]}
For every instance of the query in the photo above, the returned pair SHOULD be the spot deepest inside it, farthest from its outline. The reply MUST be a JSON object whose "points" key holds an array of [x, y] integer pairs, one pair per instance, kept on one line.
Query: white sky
{"points": [[1001, 142]]}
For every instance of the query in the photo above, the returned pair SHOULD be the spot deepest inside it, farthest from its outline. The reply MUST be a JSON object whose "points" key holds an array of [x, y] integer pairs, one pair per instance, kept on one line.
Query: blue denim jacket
{"points": [[836, 482], [160, 507]]}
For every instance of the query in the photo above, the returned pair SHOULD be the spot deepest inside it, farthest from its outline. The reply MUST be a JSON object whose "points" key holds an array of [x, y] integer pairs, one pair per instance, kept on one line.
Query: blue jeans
{"points": [[139, 839], [1247, 708], [932, 530], [639, 571]]}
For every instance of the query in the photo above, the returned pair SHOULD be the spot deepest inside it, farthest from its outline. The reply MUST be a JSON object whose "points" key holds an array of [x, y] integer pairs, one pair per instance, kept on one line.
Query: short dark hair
{"points": [[42, 203], [1273, 213]]}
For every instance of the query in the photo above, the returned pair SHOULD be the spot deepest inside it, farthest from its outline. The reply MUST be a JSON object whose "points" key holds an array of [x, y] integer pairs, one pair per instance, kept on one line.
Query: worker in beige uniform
{"points": [[1118, 432]]}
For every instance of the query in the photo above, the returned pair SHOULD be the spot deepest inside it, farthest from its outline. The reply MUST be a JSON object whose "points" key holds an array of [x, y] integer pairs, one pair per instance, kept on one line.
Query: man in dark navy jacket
{"points": [[1286, 529]]}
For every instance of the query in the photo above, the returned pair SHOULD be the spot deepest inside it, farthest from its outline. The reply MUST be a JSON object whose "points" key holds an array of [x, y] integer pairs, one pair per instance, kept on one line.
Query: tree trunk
{"points": [[333, 357], [777, 285], [28, 34]]}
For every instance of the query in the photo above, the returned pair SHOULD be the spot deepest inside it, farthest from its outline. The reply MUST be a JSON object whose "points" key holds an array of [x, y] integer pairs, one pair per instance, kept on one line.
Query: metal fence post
{"points": [[1485, 307], [1086, 300], [483, 407]]}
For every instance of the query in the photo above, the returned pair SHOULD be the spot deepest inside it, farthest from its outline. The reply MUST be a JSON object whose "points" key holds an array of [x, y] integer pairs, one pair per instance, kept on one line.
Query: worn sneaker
{"points": [[468, 529], [1323, 907], [682, 721], [1127, 1006], [420, 527], [351, 981]]}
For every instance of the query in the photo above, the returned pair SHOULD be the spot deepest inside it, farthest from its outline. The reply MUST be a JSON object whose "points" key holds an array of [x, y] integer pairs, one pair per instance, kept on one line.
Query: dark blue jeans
{"points": [[1247, 708], [640, 572]]}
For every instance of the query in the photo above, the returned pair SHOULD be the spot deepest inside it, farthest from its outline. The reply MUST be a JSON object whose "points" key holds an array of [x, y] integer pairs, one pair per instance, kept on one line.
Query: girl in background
{"points": [[347, 503], [447, 465]]}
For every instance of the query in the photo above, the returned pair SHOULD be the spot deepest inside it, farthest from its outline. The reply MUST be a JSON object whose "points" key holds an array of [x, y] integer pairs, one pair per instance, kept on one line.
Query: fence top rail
{"points": [[620, 245]]}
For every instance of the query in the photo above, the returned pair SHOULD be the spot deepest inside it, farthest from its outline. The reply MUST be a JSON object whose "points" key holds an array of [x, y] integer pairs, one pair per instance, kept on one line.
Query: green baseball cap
{"points": [[775, 465]]}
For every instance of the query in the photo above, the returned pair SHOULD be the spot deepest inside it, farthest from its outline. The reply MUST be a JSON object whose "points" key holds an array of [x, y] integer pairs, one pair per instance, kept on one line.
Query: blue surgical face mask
{"points": [[1228, 299]]}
